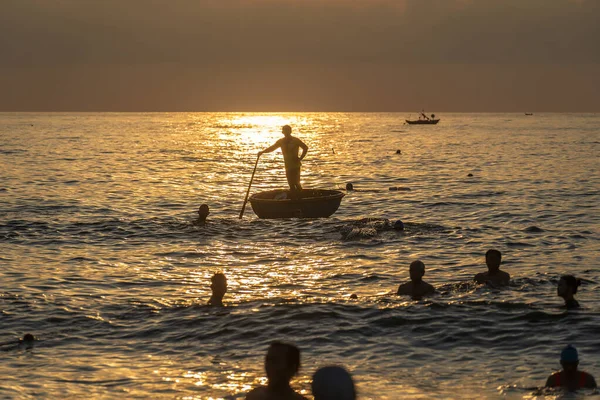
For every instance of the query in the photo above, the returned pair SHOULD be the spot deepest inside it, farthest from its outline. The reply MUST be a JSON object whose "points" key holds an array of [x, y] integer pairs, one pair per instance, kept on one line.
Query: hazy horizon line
{"points": [[289, 112]]}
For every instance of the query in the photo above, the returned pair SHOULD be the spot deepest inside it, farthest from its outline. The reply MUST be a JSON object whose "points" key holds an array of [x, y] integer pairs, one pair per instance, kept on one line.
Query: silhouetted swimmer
{"points": [[417, 287], [333, 383], [281, 364], [398, 151], [289, 147], [219, 288], [27, 342], [470, 175], [570, 377], [493, 277], [203, 212], [349, 186], [567, 287], [369, 227]]}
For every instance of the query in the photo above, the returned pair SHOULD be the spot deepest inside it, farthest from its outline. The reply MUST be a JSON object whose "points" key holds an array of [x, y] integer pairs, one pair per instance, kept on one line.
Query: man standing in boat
{"points": [[289, 147]]}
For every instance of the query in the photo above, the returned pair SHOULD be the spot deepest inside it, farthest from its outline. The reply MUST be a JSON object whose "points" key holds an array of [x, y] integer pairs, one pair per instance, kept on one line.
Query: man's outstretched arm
{"points": [[270, 149]]}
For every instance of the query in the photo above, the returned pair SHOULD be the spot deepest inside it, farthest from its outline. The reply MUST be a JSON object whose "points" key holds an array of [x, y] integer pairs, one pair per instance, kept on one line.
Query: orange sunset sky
{"points": [[300, 55]]}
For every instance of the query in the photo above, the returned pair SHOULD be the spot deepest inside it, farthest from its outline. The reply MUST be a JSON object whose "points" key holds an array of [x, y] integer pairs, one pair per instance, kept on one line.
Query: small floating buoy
{"points": [[349, 186], [353, 296]]}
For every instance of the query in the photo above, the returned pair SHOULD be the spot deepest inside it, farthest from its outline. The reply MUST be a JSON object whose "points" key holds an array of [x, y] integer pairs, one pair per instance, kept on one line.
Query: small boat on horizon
{"points": [[528, 113], [423, 120]]}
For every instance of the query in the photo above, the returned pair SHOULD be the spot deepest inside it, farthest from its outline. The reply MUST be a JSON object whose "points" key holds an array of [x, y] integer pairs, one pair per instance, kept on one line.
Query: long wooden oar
{"points": [[248, 192]]}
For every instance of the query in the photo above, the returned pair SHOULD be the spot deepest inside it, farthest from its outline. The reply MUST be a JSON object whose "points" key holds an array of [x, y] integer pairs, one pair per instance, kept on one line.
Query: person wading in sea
{"points": [[219, 288], [289, 147], [570, 377], [417, 287], [567, 287], [494, 277], [281, 364]]}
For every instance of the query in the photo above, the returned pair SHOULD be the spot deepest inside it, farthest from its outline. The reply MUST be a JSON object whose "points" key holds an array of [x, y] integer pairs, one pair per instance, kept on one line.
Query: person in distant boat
{"points": [[570, 377], [493, 277], [281, 364], [333, 383], [289, 147], [219, 288], [417, 287], [567, 287], [203, 212]]}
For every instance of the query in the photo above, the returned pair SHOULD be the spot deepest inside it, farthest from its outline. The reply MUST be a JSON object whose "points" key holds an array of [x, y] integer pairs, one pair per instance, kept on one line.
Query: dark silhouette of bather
{"points": [[289, 147], [281, 364], [203, 212], [494, 277], [570, 377], [333, 383], [567, 287], [417, 287], [369, 227], [219, 288], [26, 342]]}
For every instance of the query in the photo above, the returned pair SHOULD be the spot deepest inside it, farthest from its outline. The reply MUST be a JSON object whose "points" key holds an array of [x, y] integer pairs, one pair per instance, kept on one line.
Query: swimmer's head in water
{"points": [[282, 362], [569, 358], [28, 338], [349, 186], [333, 383], [417, 270], [286, 130], [203, 212], [399, 225], [218, 284], [567, 285], [493, 258]]}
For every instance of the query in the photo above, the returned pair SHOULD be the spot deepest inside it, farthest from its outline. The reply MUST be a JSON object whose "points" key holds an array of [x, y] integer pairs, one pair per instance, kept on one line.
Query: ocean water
{"points": [[100, 262]]}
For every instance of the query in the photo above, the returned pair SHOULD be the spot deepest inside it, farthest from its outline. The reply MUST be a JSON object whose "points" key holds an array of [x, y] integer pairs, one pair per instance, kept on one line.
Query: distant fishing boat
{"points": [[423, 120], [528, 113]]}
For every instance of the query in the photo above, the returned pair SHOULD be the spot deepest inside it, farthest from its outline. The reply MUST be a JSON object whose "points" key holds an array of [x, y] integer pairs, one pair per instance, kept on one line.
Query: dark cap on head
{"points": [[569, 354], [333, 383], [28, 337]]}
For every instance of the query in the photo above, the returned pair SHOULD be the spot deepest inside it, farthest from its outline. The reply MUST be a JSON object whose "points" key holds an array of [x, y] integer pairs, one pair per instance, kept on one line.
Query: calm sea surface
{"points": [[100, 262]]}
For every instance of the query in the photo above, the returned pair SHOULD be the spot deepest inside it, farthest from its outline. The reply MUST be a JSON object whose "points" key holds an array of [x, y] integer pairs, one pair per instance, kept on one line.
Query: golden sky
{"points": [[300, 55]]}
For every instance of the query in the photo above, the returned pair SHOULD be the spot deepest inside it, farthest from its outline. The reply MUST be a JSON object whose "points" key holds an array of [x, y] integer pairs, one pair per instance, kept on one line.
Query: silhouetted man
{"points": [[203, 212], [417, 287], [219, 288], [289, 147], [493, 277], [570, 377], [281, 364]]}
